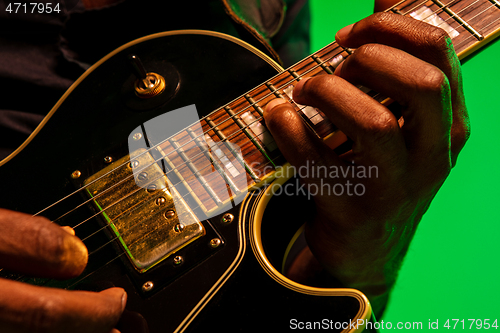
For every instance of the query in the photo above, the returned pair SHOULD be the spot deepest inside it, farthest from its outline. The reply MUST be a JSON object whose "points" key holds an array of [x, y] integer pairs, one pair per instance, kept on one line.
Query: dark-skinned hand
{"points": [[361, 239]]}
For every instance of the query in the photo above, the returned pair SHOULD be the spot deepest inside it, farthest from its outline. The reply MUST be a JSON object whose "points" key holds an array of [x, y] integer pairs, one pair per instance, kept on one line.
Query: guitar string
{"points": [[292, 81], [466, 39], [464, 9], [240, 131], [201, 153], [84, 187], [80, 189], [123, 253], [483, 29], [442, 10], [210, 129], [86, 276]]}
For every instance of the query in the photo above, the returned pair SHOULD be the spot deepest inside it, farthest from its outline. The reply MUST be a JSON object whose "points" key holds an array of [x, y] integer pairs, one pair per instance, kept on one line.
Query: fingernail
{"points": [[75, 256], [344, 32], [272, 104], [124, 300], [68, 229], [297, 91]]}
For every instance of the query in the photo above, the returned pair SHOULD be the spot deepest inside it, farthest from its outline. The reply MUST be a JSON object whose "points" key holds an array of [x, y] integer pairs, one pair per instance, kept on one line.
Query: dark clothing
{"points": [[41, 55]]}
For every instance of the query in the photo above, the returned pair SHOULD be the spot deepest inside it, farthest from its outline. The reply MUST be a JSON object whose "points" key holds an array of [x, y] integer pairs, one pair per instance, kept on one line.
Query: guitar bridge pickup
{"points": [[150, 220]]}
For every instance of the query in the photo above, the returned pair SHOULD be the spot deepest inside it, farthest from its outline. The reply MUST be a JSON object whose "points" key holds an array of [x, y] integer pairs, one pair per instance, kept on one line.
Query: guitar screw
{"points": [[227, 218], [179, 227], [215, 242], [137, 136], [148, 286], [133, 164], [178, 260], [169, 214], [151, 188], [142, 176], [76, 174], [108, 159], [160, 201]]}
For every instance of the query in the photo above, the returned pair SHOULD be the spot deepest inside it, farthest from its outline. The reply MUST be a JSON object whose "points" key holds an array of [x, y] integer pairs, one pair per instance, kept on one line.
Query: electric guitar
{"points": [[168, 174]]}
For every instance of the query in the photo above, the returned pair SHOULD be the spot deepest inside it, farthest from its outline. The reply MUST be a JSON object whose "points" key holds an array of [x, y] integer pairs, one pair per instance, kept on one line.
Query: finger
{"points": [[421, 88], [34, 245], [420, 39], [27, 308], [423, 41], [297, 143], [381, 5], [371, 126]]}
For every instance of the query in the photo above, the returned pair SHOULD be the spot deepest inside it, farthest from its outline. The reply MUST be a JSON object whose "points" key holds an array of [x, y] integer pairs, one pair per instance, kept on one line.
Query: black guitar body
{"points": [[222, 289]]}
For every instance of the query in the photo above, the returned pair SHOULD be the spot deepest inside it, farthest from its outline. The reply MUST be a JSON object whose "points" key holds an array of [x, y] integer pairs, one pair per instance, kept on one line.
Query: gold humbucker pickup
{"points": [[150, 220]]}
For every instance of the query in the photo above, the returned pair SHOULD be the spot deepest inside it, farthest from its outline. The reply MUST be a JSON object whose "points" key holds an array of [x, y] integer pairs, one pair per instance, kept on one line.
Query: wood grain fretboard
{"points": [[470, 23]]}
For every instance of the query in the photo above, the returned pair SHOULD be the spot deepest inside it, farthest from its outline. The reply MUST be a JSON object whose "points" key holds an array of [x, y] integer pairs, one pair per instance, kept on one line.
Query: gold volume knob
{"points": [[152, 85]]}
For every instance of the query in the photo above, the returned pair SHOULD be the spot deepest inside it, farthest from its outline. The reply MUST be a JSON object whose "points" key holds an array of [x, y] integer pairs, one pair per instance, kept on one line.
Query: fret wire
{"points": [[254, 104], [107, 243], [496, 2], [254, 177], [245, 129], [441, 11], [223, 138], [294, 74], [319, 61], [486, 9], [485, 27], [104, 175], [123, 253], [324, 48], [459, 19], [195, 171], [202, 145], [463, 9]]}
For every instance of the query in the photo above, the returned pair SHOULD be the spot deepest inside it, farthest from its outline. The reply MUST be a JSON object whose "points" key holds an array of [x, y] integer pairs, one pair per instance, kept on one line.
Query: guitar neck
{"points": [[237, 131]]}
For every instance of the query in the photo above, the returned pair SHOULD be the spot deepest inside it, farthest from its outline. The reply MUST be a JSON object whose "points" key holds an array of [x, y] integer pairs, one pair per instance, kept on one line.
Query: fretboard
{"points": [[233, 140]]}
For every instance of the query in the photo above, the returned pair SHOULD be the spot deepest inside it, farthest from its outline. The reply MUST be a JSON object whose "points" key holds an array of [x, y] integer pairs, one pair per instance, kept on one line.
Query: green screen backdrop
{"points": [[452, 270]]}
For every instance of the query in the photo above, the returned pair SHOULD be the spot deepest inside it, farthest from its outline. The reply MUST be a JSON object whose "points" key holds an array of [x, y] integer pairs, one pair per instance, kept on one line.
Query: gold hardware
{"points": [[137, 136], [136, 210], [215, 242], [151, 86], [108, 159], [227, 218], [178, 260], [179, 227], [160, 201], [148, 286], [169, 214], [76, 174]]}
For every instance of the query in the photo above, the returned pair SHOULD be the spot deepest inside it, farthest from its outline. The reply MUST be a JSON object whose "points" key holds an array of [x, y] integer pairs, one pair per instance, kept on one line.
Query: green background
{"points": [[452, 269]]}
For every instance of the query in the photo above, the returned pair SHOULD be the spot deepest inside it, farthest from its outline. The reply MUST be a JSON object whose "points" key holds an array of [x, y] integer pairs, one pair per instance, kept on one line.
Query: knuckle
{"points": [[381, 20], [382, 127], [316, 88], [438, 38], [366, 50], [41, 318], [433, 80]]}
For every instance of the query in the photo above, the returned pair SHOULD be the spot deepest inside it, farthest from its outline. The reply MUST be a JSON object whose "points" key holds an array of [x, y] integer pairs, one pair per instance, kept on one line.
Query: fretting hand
{"points": [[361, 239]]}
